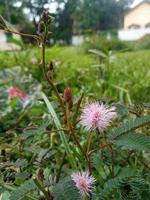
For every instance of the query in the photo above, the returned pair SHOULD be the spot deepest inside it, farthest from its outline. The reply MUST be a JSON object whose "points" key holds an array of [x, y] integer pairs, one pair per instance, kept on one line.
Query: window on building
{"points": [[134, 26], [147, 25]]}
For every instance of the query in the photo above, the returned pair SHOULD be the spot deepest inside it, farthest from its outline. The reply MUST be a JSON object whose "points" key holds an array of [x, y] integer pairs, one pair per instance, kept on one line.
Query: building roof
{"points": [[144, 1]]}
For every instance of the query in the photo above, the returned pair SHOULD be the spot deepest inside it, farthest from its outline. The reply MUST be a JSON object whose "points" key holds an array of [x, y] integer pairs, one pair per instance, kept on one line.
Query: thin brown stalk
{"points": [[51, 82]]}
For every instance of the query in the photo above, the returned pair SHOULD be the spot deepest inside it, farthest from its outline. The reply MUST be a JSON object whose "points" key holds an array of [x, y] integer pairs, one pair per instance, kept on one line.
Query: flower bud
{"points": [[44, 14], [51, 65], [50, 75], [46, 17], [68, 97]]}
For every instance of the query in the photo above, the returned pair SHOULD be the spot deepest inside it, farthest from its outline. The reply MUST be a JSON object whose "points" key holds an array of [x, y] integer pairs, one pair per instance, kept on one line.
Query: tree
{"points": [[101, 14], [81, 16], [65, 20], [14, 15], [75, 17]]}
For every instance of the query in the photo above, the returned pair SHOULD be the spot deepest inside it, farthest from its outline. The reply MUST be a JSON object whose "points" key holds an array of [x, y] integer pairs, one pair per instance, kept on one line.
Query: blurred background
{"points": [[75, 19], [105, 43]]}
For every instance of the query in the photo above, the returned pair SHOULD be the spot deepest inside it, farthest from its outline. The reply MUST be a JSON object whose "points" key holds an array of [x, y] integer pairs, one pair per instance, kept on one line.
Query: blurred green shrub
{"points": [[129, 71], [105, 42], [143, 43], [17, 42]]}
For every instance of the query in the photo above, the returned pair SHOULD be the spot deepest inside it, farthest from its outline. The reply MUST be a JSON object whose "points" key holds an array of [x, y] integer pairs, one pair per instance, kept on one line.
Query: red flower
{"points": [[15, 92]]}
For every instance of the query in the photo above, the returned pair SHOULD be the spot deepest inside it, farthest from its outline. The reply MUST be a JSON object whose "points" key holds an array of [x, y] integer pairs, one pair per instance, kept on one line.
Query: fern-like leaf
{"points": [[66, 190], [114, 183], [34, 131], [133, 142], [21, 192], [129, 126]]}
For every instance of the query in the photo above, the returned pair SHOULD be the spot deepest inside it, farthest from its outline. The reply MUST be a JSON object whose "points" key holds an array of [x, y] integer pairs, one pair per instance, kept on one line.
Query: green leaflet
{"points": [[34, 131], [133, 142], [129, 126], [5, 196], [98, 53], [118, 185], [66, 190], [23, 190]]}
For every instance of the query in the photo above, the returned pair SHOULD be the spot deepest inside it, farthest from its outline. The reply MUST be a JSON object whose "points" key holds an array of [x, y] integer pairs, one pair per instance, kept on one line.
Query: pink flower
{"points": [[84, 182], [15, 92], [97, 116]]}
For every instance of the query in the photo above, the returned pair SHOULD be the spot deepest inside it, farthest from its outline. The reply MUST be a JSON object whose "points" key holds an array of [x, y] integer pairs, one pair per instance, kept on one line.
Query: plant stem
{"points": [[39, 185], [60, 168], [112, 160], [89, 142], [7, 30], [71, 128], [77, 109], [49, 79]]}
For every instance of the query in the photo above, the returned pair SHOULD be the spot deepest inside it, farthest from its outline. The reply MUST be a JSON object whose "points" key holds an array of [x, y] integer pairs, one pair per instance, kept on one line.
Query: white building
{"points": [[136, 22]]}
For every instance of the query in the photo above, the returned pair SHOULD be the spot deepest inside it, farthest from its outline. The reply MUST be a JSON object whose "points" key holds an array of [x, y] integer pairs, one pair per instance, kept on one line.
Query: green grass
{"points": [[127, 78]]}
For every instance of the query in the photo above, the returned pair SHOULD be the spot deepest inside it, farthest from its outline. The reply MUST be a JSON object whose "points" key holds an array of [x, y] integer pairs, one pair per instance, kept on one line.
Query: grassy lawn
{"points": [[124, 76]]}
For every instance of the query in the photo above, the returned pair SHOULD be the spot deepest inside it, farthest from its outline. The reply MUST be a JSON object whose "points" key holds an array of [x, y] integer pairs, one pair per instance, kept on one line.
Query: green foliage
{"points": [[126, 188], [17, 42], [143, 43], [129, 126], [66, 189], [63, 137], [38, 130], [100, 14], [133, 142], [102, 42], [98, 52], [71, 62], [12, 13], [43, 139], [25, 188]]}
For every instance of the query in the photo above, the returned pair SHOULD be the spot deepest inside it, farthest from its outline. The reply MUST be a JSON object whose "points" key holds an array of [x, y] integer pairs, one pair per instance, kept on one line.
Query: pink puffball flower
{"points": [[97, 116], [15, 92], [84, 182]]}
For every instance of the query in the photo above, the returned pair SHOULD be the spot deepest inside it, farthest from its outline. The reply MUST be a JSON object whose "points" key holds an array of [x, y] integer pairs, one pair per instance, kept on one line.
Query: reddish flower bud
{"points": [[45, 14], [68, 97]]}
